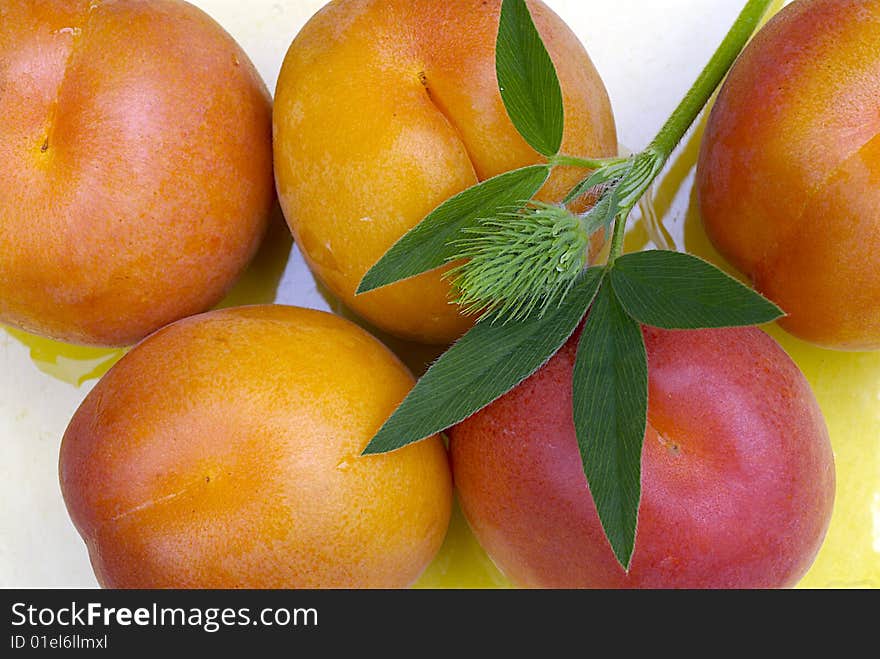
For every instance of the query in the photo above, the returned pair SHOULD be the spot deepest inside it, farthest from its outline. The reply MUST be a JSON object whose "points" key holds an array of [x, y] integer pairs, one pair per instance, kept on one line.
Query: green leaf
{"points": [[671, 290], [430, 244], [485, 364], [609, 174], [643, 169], [527, 79], [602, 214], [610, 405]]}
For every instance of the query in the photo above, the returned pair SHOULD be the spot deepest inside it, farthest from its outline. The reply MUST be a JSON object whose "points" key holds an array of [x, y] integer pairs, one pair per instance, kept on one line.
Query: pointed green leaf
{"points": [[602, 214], [671, 290], [610, 405], [485, 364], [608, 174], [527, 80], [430, 244]]}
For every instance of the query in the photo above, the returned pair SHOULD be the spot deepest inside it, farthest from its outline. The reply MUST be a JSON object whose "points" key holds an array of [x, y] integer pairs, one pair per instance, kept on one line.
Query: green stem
{"points": [[711, 77], [695, 100], [583, 163], [617, 239]]}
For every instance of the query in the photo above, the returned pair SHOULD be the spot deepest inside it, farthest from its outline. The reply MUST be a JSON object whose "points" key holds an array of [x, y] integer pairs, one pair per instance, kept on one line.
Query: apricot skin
{"points": [[224, 452], [789, 172], [737, 473], [135, 155], [386, 108]]}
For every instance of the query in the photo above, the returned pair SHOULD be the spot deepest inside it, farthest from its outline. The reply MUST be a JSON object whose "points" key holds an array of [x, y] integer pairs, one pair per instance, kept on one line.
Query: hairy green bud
{"points": [[520, 262]]}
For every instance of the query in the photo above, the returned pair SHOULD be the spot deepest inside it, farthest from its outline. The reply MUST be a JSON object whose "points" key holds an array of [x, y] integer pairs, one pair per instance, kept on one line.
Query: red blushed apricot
{"points": [[737, 473], [136, 160], [789, 172], [386, 108]]}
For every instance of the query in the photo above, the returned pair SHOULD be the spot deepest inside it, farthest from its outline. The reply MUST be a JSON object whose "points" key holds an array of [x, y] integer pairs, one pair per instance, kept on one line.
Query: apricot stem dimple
{"points": [[423, 80], [77, 33], [672, 447]]}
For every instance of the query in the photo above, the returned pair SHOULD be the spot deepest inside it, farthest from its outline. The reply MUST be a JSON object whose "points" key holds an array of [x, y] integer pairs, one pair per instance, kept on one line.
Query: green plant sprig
{"points": [[521, 262], [523, 266]]}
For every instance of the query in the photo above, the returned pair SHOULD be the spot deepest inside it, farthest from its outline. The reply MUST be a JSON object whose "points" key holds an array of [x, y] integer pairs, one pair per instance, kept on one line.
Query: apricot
{"points": [[386, 108], [135, 155], [738, 474], [224, 451], [789, 171]]}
